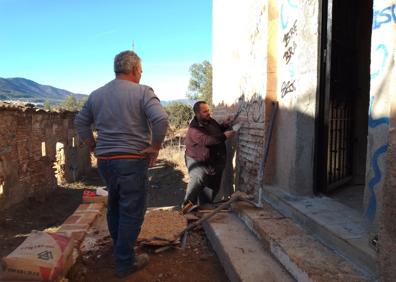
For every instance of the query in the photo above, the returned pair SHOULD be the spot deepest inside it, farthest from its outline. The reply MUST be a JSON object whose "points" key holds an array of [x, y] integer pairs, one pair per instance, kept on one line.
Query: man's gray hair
{"points": [[125, 61]]}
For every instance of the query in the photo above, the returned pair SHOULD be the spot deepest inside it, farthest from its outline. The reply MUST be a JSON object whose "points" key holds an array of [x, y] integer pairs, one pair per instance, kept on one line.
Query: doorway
{"points": [[342, 111]]}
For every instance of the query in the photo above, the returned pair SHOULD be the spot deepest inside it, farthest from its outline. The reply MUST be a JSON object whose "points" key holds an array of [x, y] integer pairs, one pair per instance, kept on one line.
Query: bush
{"points": [[179, 114], [71, 103]]}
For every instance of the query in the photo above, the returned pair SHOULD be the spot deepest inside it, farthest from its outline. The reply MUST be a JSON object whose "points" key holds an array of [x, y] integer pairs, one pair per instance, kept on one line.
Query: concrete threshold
{"points": [[339, 227], [241, 254], [302, 255]]}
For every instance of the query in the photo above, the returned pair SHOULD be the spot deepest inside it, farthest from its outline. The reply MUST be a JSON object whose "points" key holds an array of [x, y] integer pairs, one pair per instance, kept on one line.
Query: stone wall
{"points": [[38, 150]]}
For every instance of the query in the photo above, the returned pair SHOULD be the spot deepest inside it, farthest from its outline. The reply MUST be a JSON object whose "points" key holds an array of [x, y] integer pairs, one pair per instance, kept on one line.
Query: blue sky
{"points": [[71, 44]]}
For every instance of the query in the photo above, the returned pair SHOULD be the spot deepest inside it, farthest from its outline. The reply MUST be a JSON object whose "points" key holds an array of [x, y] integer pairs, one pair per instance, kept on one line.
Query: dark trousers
{"points": [[204, 183], [126, 182]]}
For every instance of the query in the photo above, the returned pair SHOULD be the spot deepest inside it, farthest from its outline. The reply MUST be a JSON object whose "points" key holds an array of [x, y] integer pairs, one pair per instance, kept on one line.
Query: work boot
{"points": [[185, 206], [140, 262]]}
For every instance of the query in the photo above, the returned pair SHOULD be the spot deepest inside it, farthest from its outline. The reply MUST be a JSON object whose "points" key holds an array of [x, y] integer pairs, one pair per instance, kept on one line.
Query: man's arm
{"points": [[226, 124], [199, 137], [82, 123], [158, 119]]}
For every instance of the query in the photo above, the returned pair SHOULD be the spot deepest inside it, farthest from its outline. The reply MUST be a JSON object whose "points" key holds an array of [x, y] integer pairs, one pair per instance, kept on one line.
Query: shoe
{"points": [[186, 206], [140, 262]]}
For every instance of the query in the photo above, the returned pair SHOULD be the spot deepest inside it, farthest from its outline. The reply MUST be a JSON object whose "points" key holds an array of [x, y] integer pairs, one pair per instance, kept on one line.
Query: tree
{"points": [[81, 102], [47, 105], [200, 85], [179, 114], [72, 104]]}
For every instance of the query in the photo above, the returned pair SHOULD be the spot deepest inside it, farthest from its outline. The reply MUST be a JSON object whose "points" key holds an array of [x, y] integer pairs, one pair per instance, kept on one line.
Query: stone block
{"points": [[75, 231], [81, 218], [72, 219], [74, 227], [303, 256], [91, 207], [96, 199]]}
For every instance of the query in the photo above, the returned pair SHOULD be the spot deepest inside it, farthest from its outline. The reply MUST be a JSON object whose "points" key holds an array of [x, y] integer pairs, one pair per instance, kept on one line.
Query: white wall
{"points": [[239, 49]]}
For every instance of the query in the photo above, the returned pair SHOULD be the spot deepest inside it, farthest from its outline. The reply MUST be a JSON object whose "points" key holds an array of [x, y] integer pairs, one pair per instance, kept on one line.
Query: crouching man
{"points": [[205, 155]]}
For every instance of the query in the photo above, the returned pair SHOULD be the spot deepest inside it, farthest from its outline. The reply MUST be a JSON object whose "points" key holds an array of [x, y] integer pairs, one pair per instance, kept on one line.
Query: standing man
{"points": [[205, 155], [131, 126]]}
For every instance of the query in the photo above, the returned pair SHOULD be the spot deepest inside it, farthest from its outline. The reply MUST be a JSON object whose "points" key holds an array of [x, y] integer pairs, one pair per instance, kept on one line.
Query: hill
{"points": [[26, 90], [22, 89]]}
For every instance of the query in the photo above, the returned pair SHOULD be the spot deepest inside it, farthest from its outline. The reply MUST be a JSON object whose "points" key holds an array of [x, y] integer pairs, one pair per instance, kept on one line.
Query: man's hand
{"points": [[228, 121], [229, 133], [152, 154], [90, 143]]}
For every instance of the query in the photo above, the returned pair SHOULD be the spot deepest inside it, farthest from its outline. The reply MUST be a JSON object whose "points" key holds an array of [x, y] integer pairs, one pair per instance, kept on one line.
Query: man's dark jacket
{"points": [[205, 142]]}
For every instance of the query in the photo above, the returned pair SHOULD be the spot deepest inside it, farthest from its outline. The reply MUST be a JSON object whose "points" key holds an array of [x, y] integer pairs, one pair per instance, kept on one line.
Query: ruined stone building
{"points": [[326, 69], [38, 151]]}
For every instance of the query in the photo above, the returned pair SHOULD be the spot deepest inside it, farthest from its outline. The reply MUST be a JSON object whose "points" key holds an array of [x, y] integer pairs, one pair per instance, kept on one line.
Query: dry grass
{"points": [[175, 156], [173, 151]]}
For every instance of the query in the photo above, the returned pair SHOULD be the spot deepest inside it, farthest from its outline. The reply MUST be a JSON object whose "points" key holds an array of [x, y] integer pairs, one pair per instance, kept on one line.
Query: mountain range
{"points": [[22, 89], [26, 90]]}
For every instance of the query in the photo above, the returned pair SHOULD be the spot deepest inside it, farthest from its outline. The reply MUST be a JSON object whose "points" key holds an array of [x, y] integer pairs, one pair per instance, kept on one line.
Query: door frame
{"points": [[322, 98]]}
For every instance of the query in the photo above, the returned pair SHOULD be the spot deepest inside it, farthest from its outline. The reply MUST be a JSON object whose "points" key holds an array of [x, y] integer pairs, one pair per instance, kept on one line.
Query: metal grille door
{"points": [[339, 145]]}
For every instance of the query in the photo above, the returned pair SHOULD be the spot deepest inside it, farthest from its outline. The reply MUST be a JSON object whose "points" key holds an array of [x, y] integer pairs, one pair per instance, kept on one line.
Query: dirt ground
{"points": [[197, 262]]}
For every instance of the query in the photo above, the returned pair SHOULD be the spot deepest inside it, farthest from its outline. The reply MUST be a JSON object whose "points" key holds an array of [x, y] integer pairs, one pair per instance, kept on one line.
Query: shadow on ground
{"points": [[197, 262], [17, 222], [165, 188], [166, 185]]}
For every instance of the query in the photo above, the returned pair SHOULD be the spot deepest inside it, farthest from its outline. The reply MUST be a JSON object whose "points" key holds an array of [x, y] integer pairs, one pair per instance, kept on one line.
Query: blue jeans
{"points": [[126, 182]]}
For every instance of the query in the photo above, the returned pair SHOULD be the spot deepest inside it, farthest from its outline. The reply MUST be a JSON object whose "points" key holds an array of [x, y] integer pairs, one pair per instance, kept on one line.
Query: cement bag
{"points": [[41, 257]]}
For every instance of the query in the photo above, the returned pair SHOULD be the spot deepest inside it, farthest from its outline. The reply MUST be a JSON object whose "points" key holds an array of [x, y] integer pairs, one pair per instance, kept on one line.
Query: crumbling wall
{"points": [[33, 145], [239, 85]]}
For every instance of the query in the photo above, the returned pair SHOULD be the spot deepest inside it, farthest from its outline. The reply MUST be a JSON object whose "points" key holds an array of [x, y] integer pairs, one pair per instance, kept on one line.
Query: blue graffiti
{"points": [[292, 72], [284, 18], [293, 5], [384, 16], [386, 54], [284, 24], [375, 122], [372, 204]]}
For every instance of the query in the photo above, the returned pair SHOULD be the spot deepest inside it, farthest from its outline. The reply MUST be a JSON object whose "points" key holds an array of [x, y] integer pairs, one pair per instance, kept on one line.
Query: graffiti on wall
{"points": [[252, 108], [382, 52], [376, 122], [284, 12], [289, 44], [374, 164], [257, 30], [287, 87], [380, 58], [384, 16]]}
